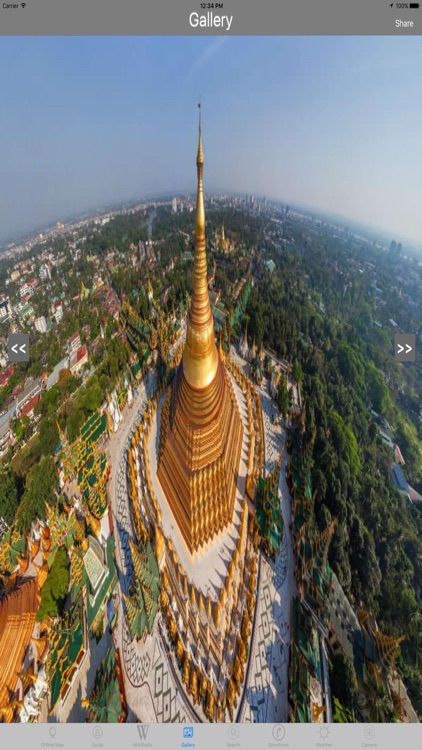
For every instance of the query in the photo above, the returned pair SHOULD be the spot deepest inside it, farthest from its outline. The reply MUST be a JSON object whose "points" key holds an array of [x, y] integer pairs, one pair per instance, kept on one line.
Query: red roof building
{"points": [[78, 359], [81, 353], [29, 407], [6, 375]]}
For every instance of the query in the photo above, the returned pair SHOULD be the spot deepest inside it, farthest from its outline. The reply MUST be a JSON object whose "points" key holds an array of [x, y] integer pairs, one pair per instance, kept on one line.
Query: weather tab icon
{"points": [[323, 732]]}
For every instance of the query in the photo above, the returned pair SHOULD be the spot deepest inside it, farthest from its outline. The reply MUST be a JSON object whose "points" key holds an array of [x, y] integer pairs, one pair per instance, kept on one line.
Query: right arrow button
{"points": [[405, 344]]}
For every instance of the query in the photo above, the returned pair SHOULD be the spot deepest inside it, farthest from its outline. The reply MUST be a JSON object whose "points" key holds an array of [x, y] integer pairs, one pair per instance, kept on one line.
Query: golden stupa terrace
{"points": [[207, 567]]}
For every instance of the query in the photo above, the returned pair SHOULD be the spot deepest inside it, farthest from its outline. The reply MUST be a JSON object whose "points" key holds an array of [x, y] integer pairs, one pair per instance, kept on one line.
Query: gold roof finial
{"points": [[200, 154], [200, 358]]}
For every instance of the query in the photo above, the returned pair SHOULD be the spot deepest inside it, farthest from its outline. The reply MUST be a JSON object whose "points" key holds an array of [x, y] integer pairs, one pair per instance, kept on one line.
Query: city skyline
{"points": [[326, 123]]}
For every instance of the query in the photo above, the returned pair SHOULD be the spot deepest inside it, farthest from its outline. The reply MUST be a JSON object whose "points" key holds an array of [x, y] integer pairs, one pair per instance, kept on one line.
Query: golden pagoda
{"points": [[201, 428]]}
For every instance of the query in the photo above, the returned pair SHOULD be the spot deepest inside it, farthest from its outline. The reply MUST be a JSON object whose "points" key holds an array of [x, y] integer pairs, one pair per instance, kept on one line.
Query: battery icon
{"points": [[414, 5]]}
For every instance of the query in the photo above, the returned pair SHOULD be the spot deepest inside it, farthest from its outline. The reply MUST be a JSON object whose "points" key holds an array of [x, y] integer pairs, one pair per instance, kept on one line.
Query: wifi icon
{"points": [[23, 5]]}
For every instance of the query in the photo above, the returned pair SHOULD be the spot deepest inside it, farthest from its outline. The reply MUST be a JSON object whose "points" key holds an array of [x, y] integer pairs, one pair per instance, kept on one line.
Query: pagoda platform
{"points": [[206, 568]]}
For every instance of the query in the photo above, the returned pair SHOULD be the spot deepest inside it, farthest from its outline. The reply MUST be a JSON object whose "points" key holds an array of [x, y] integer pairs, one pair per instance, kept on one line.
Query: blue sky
{"points": [[333, 123]]}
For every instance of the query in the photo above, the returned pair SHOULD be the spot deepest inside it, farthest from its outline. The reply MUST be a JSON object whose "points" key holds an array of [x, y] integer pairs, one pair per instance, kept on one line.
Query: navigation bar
{"points": [[248, 736], [194, 18]]}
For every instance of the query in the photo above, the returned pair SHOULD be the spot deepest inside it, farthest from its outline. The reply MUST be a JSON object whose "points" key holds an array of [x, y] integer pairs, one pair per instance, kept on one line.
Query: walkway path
{"points": [[151, 692], [266, 698]]}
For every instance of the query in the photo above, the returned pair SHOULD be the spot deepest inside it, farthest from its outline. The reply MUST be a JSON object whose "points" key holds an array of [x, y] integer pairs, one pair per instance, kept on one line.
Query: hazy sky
{"points": [[334, 123]]}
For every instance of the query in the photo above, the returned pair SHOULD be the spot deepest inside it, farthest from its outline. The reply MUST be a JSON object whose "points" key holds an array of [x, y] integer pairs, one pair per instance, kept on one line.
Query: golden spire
{"points": [[201, 434], [200, 357], [150, 290]]}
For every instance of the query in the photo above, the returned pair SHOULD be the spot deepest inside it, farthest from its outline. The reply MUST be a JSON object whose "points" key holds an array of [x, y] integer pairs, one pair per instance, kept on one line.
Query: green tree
{"points": [[343, 681], [283, 397], [50, 400], [74, 423], [377, 702], [93, 396], [8, 495], [56, 586], [297, 373], [49, 436], [345, 441], [41, 484], [377, 390], [67, 383]]}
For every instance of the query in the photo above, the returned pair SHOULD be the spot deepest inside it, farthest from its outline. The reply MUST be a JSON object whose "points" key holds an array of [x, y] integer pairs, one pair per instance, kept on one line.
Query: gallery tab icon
{"points": [[405, 347]]}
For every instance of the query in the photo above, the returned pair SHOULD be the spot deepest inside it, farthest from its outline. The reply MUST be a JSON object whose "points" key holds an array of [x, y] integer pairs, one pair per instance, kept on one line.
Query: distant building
{"points": [[395, 248], [399, 480], [27, 312], [32, 388], [28, 409], [45, 273], [5, 435], [58, 311], [78, 359], [74, 343], [41, 324], [174, 205], [5, 309]]}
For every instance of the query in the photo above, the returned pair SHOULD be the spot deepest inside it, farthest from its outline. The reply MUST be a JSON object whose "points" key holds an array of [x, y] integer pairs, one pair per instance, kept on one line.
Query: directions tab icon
{"points": [[404, 347], [18, 347]]}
